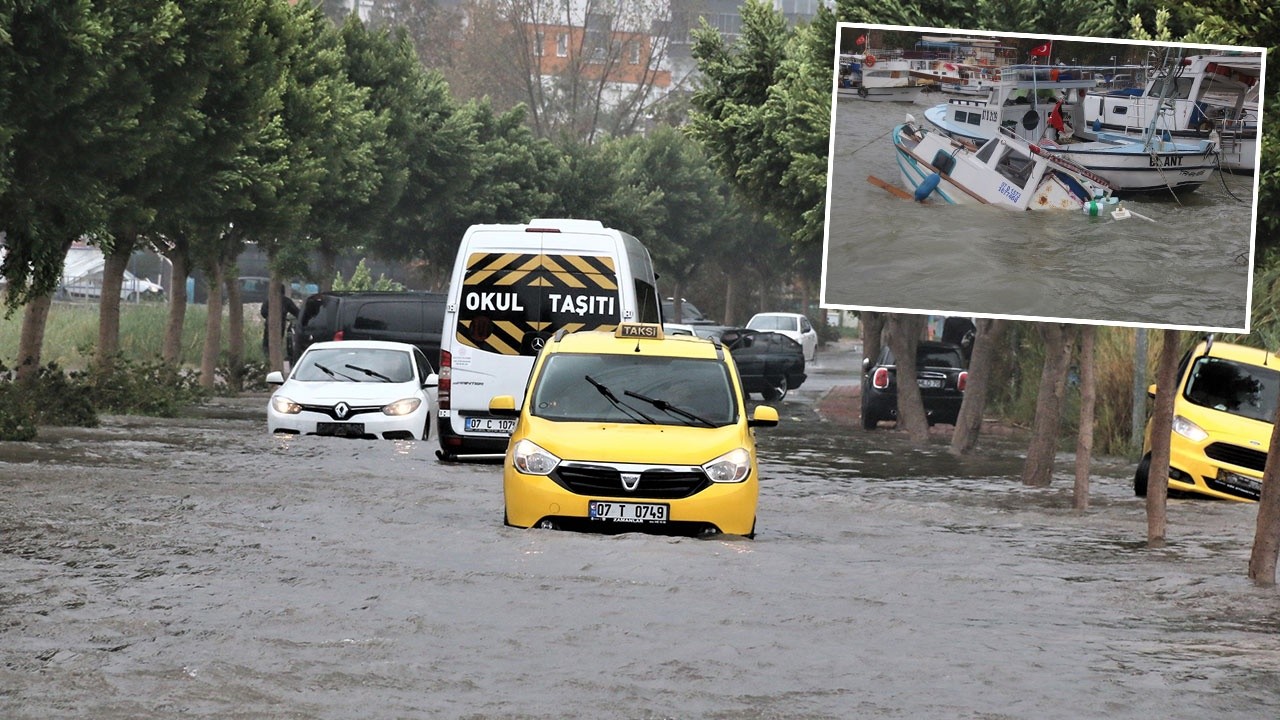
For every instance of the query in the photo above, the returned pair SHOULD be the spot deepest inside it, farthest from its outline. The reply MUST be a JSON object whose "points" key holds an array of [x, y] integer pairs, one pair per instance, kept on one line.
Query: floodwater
{"points": [[1190, 267], [200, 568]]}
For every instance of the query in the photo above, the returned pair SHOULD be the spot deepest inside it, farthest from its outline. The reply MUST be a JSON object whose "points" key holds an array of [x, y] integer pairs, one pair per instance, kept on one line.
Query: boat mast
{"points": [[1168, 82]]}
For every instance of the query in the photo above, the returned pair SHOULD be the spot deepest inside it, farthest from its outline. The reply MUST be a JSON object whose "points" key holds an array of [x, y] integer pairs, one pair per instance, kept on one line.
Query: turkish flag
{"points": [[1042, 50], [862, 40]]}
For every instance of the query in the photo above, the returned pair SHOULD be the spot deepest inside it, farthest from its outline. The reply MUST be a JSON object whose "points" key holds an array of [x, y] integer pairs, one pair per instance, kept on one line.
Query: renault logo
{"points": [[630, 481], [341, 410]]}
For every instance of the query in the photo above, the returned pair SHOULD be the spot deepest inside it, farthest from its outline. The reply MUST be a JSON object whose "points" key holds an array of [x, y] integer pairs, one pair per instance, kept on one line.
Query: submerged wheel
{"points": [[777, 389], [1140, 476]]}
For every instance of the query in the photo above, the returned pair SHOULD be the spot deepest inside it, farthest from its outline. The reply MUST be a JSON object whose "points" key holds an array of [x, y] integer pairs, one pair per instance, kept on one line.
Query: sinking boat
{"points": [[1005, 171], [1132, 164]]}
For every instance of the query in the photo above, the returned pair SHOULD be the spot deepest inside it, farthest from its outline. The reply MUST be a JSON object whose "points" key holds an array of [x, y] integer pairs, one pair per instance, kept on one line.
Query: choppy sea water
{"points": [[1190, 267]]}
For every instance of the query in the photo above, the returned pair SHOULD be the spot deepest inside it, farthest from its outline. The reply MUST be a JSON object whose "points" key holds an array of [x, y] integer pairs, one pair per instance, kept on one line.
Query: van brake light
{"points": [[538, 229], [444, 389]]}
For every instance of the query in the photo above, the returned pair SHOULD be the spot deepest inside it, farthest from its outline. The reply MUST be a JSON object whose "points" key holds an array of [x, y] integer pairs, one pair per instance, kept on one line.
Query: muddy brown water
{"points": [[198, 567]]}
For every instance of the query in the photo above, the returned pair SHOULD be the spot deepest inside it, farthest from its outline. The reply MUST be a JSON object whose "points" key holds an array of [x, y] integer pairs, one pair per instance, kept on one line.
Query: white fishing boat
{"points": [[1004, 171], [1205, 94], [1018, 98], [1130, 164], [865, 76]]}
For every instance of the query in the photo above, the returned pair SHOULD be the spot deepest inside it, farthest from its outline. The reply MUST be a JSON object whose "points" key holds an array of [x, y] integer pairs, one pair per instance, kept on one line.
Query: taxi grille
{"points": [[600, 481], [1236, 455]]}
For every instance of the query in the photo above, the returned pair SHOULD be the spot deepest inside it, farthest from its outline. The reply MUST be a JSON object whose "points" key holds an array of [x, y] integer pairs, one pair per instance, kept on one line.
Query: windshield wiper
{"points": [[370, 373], [667, 407], [629, 410], [333, 374]]}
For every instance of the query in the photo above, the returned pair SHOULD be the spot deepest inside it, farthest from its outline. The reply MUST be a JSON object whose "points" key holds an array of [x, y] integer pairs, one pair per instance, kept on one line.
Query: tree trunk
{"points": [[677, 303], [35, 317], [729, 313], [275, 320], [1161, 428], [212, 329], [1088, 399], [114, 265], [1266, 539], [871, 328], [328, 270], [235, 333], [974, 405], [1038, 470], [172, 350], [904, 337]]}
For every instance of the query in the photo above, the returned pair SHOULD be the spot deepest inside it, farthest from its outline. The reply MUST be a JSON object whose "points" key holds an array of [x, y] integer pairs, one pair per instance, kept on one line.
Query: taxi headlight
{"points": [[402, 407], [533, 460], [1188, 429], [731, 467], [284, 405]]}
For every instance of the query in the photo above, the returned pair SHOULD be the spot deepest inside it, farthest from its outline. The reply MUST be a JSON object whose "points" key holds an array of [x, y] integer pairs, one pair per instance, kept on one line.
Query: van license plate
{"points": [[496, 426], [627, 512]]}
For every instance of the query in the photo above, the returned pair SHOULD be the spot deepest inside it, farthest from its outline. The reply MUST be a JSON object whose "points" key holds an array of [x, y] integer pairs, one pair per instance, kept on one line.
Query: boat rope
{"points": [[877, 138], [1224, 180], [1155, 160]]}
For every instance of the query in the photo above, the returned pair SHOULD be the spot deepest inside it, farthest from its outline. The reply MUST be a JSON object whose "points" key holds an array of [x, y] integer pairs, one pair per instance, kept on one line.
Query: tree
{"points": [[972, 408], [1038, 470], [1088, 400], [1161, 427], [903, 333]]}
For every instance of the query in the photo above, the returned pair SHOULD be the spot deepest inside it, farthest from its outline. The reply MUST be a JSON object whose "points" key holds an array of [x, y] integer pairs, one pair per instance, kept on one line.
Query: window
{"points": [[633, 52], [539, 38], [1237, 388], [562, 44]]}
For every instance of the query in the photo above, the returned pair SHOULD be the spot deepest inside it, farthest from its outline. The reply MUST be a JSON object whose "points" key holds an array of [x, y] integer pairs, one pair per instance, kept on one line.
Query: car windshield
{"points": [[772, 322], [1237, 388], [577, 387], [354, 365]]}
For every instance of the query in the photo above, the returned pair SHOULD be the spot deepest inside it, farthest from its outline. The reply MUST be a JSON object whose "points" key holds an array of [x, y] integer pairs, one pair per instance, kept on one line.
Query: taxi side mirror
{"points": [[1151, 390], [503, 406], [275, 377], [764, 416]]}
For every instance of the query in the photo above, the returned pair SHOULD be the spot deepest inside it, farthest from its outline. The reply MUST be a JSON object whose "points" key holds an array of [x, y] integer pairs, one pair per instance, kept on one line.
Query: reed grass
{"points": [[71, 334]]}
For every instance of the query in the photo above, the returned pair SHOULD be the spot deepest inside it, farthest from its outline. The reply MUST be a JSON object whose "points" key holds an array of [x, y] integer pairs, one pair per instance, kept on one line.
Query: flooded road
{"points": [[198, 567]]}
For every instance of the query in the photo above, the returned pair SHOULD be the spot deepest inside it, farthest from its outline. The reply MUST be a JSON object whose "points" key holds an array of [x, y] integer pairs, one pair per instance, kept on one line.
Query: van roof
{"points": [[560, 224]]}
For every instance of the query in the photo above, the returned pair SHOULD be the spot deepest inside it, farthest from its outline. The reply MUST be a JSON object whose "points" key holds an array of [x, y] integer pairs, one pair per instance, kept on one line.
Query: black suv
{"points": [[416, 318], [940, 373]]}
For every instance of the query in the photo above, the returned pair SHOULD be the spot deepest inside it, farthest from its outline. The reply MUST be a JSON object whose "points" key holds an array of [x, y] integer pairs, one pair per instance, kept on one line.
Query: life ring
{"points": [[862, 91], [869, 61], [996, 76]]}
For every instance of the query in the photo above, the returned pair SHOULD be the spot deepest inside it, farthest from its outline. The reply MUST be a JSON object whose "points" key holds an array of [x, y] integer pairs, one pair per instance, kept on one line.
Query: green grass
{"points": [[71, 334]]}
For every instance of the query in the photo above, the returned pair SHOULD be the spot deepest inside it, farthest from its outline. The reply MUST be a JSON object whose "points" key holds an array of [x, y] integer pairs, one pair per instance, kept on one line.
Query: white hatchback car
{"points": [[793, 325], [355, 388]]}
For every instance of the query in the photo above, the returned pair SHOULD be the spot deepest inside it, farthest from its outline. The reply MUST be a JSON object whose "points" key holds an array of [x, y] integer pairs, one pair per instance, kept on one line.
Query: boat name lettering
{"points": [[1010, 192], [1166, 161], [990, 116]]}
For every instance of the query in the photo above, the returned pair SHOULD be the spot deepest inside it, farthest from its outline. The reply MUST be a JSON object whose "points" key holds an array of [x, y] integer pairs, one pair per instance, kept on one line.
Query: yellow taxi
{"points": [[631, 430], [1222, 421]]}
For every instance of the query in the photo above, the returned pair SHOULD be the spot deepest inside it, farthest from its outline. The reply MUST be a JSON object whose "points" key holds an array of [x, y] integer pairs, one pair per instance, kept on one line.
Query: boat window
{"points": [[1016, 167], [984, 153]]}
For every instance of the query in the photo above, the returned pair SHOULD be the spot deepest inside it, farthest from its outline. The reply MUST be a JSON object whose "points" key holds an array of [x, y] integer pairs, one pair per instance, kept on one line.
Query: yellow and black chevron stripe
{"points": [[509, 298]]}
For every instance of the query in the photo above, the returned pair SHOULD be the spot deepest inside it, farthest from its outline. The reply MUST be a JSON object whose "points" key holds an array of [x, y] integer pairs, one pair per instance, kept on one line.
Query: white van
{"points": [[514, 286]]}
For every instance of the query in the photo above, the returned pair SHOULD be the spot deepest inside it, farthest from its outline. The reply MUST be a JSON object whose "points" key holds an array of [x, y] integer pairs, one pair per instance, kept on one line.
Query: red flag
{"points": [[862, 40], [1042, 50]]}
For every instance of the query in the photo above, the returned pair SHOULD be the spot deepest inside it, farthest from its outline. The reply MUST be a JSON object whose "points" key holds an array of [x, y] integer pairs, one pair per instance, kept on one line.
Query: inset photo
{"points": [[1041, 177]]}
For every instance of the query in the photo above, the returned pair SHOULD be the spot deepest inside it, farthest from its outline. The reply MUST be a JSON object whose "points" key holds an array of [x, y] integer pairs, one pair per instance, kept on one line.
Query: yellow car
{"points": [[630, 431], [1222, 421]]}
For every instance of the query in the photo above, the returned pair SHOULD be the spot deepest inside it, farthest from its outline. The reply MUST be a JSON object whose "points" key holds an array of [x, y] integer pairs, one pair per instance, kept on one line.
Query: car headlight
{"points": [[533, 460], [731, 467], [284, 405], [402, 407], [1188, 429]]}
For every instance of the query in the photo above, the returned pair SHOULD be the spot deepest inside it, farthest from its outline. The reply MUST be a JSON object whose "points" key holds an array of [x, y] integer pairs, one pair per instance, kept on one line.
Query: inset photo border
{"points": [[1042, 177]]}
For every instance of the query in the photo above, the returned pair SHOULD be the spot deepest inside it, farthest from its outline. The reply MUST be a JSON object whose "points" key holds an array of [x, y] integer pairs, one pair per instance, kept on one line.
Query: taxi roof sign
{"points": [[640, 331]]}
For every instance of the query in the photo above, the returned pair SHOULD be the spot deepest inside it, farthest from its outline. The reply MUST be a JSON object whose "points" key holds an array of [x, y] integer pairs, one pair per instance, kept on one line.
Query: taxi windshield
{"points": [[1237, 388], [690, 392]]}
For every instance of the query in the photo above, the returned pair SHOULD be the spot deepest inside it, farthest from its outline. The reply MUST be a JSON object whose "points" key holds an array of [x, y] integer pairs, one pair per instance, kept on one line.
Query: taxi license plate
{"points": [[931, 383], [496, 426], [609, 511]]}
